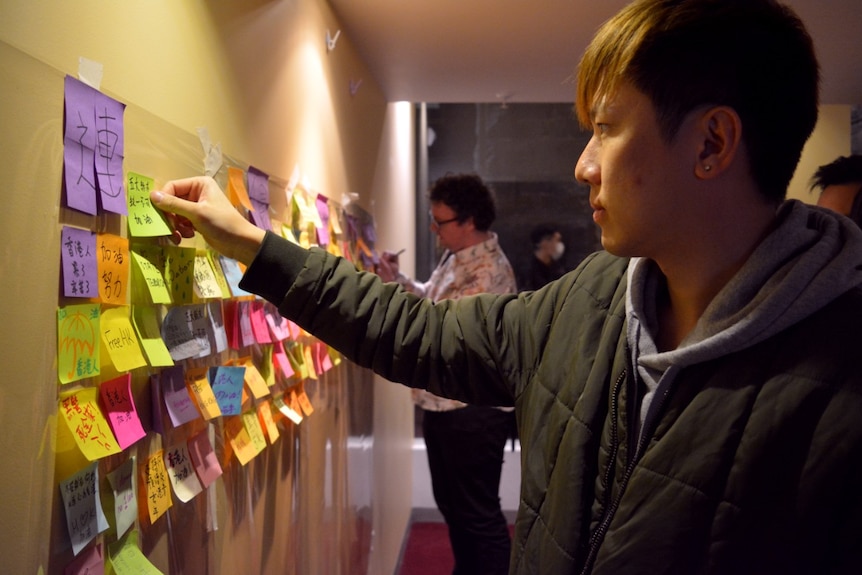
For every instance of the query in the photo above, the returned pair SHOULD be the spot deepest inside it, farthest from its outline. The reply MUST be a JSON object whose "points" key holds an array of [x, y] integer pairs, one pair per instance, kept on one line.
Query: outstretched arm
{"points": [[199, 204]]}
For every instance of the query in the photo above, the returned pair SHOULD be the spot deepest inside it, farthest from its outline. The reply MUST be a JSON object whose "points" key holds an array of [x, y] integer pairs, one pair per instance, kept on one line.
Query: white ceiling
{"points": [[526, 50]]}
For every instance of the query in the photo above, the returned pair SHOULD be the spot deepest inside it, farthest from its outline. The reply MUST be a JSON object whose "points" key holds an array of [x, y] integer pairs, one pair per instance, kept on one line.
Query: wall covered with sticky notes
{"points": [[159, 419]]}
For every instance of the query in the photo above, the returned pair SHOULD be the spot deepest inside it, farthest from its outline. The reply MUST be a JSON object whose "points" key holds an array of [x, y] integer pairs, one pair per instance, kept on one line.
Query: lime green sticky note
{"points": [[78, 342], [206, 286], [145, 220], [147, 327], [149, 271], [127, 558], [179, 273]]}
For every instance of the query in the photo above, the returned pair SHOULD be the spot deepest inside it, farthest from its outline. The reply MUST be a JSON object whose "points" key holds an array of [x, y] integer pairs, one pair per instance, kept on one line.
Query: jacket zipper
{"points": [[601, 530]]}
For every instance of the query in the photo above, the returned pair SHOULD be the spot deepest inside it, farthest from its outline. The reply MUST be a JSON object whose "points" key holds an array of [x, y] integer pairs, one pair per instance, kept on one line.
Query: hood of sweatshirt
{"points": [[811, 257]]}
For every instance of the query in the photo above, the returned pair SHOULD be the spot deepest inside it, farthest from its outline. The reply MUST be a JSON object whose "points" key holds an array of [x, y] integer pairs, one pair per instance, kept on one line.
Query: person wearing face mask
{"points": [[546, 264]]}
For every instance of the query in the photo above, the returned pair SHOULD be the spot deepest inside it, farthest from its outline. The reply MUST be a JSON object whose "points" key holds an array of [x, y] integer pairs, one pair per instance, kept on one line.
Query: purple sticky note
{"points": [[258, 185], [226, 383], [80, 274], [157, 402], [109, 154], [322, 204], [79, 145], [258, 192], [180, 406]]}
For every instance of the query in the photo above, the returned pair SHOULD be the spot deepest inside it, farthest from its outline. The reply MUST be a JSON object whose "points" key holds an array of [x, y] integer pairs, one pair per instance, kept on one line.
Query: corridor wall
{"points": [[261, 79]]}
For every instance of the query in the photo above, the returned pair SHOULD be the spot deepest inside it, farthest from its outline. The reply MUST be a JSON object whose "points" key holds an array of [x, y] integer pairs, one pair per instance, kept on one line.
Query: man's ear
{"points": [[720, 131]]}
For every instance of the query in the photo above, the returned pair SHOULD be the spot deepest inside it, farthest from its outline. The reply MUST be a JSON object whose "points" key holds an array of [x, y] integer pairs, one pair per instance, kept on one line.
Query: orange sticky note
{"points": [[255, 431], [157, 486], [112, 263], [303, 400], [236, 189], [240, 440], [202, 392], [264, 413], [253, 379], [88, 425]]}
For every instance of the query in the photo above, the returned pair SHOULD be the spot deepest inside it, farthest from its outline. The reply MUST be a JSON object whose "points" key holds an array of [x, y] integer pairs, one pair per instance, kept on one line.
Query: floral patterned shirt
{"points": [[480, 268]]}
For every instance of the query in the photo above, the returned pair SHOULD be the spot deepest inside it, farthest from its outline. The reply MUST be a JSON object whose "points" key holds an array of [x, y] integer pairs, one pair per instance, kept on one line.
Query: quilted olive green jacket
{"points": [[752, 465]]}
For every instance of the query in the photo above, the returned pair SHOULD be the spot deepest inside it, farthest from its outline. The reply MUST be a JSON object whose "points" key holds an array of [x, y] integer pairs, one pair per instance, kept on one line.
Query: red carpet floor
{"points": [[427, 551]]}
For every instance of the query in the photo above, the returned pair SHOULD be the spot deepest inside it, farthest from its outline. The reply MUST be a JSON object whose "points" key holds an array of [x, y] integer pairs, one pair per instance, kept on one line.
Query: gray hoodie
{"points": [[809, 259]]}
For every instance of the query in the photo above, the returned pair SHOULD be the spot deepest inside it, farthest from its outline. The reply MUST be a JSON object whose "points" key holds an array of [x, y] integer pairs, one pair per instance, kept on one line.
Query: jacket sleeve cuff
{"points": [[274, 268]]}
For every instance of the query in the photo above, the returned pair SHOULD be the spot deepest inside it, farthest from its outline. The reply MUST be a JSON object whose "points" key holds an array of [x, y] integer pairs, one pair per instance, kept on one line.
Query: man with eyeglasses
{"points": [[465, 443]]}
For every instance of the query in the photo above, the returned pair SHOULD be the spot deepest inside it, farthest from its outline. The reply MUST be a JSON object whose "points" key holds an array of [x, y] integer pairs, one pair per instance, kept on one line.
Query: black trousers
{"points": [[465, 456]]}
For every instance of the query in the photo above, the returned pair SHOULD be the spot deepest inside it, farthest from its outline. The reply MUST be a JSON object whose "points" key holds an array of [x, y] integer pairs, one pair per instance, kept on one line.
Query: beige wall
{"points": [[258, 77]]}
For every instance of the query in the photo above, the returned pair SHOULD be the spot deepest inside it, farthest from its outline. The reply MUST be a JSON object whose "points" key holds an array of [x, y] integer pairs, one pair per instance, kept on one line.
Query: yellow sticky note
{"points": [[112, 259], [240, 440], [144, 219], [126, 557], [147, 328], [90, 429], [78, 342], [149, 270], [215, 262], [255, 431], [253, 379], [236, 189], [199, 386], [308, 358], [264, 413], [120, 339], [206, 286], [179, 273], [157, 486]]}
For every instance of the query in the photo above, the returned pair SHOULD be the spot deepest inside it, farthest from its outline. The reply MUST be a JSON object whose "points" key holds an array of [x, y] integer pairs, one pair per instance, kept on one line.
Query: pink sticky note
{"points": [[322, 360], [245, 329], [120, 408], [90, 562], [204, 458], [279, 357], [180, 406], [258, 323]]}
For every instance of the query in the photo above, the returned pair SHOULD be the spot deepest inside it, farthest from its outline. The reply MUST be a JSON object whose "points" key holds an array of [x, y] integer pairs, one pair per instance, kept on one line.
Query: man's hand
{"points": [[199, 204]]}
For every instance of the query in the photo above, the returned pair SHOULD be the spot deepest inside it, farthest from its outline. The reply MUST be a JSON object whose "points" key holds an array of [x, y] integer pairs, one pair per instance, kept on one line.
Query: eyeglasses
{"points": [[436, 225]]}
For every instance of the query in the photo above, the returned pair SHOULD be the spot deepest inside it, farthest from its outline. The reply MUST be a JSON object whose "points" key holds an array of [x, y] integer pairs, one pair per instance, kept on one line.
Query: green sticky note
{"points": [[145, 220]]}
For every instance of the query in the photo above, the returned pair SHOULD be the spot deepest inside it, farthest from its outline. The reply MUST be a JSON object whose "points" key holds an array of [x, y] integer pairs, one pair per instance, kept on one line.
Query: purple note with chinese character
{"points": [[109, 154], [258, 192], [80, 277], [181, 407], [79, 146]]}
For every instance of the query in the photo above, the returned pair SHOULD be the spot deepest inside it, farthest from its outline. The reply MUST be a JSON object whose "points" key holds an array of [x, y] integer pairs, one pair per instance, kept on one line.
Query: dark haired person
{"points": [[689, 399], [839, 183], [464, 442], [546, 265]]}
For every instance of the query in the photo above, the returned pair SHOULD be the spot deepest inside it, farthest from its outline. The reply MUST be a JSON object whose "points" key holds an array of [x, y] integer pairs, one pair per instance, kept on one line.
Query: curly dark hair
{"points": [[468, 196], [844, 170]]}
